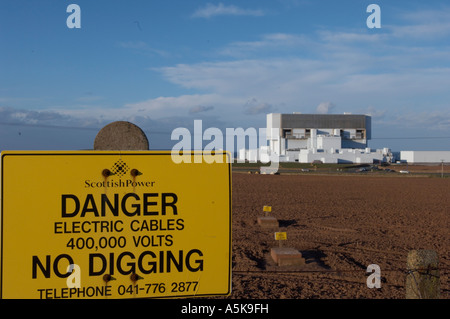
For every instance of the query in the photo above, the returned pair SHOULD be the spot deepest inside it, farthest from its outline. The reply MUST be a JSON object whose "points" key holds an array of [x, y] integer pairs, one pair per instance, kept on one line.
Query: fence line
{"points": [[405, 271], [425, 286]]}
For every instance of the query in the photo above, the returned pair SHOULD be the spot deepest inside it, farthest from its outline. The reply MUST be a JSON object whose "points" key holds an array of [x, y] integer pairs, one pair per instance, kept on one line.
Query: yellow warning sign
{"points": [[267, 208], [106, 224], [280, 236]]}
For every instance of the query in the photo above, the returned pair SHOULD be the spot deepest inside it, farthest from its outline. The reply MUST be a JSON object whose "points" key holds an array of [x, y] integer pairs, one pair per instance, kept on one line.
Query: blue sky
{"points": [[163, 64]]}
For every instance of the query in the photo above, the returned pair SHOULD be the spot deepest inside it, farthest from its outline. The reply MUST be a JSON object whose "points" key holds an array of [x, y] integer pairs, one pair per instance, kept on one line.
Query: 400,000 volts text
{"points": [[120, 242]]}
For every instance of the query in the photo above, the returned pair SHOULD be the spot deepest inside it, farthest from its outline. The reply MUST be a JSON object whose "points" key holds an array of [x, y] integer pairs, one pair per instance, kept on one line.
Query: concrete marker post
{"points": [[285, 256], [267, 221], [422, 280]]}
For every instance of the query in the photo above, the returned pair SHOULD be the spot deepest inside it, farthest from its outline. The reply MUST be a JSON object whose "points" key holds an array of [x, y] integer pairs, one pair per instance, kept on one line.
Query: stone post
{"points": [[121, 136], [422, 280]]}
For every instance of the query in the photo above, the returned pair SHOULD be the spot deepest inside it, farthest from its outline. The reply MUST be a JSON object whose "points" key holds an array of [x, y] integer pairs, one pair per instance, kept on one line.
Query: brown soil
{"points": [[340, 224]]}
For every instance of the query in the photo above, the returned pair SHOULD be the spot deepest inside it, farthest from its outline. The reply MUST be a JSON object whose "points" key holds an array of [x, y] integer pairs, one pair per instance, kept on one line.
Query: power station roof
{"points": [[318, 121]]}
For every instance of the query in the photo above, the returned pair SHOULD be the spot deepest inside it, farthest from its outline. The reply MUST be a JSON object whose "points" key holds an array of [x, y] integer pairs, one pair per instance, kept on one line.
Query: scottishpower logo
{"points": [[119, 168], [113, 178]]}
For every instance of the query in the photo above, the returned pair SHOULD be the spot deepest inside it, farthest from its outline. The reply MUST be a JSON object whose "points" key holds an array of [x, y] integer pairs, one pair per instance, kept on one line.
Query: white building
{"points": [[425, 156], [329, 138]]}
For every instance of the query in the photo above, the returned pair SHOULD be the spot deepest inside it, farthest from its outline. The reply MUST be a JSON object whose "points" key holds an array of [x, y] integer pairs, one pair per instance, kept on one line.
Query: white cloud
{"points": [[300, 72], [211, 10], [431, 120], [426, 32], [280, 43], [200, 109], [348, 37], [375, 113], [424, 24], [296, 84], [10, 115], [254, 77], [254, 107], [295, 72], [325, 107], [172, 106]]}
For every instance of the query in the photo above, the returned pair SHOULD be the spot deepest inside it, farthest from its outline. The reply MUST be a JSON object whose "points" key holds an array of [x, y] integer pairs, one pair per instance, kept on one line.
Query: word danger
{"points": [[129, 204]]}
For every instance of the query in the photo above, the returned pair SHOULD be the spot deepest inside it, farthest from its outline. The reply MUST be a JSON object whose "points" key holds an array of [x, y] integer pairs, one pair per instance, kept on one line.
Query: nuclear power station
{"points": [[328, 138]]}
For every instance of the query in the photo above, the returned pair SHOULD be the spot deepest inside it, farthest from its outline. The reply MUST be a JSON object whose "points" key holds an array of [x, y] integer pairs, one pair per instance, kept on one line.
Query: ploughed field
{"points": [[341, 224]]}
